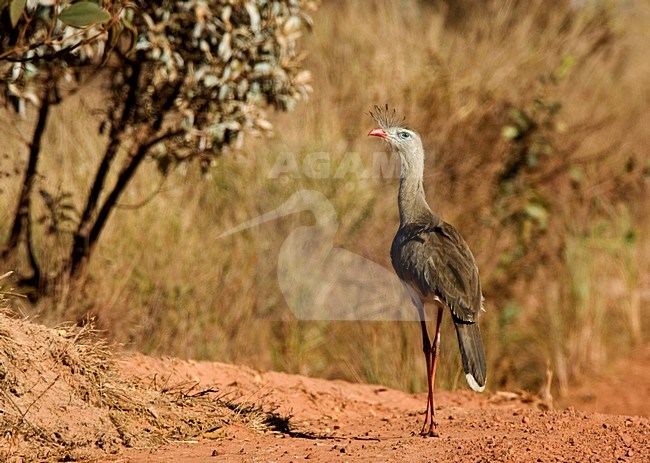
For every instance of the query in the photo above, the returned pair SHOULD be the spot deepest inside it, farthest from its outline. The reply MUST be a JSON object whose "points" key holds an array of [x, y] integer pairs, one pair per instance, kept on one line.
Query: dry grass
{"points": [[64, 399], [564, 289]]}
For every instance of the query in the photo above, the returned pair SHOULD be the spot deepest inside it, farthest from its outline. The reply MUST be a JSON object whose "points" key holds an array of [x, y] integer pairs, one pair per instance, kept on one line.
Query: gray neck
{"points": [[413, 207]]}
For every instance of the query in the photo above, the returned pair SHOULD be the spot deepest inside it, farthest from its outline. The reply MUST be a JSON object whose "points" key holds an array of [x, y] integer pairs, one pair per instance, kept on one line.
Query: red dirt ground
{"points": [[624, 389], [343, 422], [64, 396]]}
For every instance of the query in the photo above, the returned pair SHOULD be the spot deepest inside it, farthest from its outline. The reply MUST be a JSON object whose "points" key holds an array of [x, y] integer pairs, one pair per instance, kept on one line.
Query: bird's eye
{"points": [[404, 135]]}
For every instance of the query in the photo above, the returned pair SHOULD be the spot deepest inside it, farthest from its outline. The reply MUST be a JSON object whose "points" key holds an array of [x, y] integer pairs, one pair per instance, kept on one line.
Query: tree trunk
{"points": [[80, 256], [81, 239], [93, 220], [21, 221]]}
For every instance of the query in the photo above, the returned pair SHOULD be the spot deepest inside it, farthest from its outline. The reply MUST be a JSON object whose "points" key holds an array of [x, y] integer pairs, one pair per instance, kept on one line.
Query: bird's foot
{"points": [[434, 431], [431, 431]]}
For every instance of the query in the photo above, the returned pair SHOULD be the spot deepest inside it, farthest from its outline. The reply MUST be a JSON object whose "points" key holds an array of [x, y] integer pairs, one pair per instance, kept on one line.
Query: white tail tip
{"points": [[473, 384]]}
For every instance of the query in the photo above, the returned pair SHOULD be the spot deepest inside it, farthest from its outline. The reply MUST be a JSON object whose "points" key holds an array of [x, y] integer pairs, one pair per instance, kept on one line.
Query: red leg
{"points": [[427, 354], [435, 351]]}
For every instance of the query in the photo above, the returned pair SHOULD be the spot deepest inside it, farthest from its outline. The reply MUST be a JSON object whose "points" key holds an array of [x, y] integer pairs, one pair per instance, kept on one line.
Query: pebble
{"points": [[627, 440]]}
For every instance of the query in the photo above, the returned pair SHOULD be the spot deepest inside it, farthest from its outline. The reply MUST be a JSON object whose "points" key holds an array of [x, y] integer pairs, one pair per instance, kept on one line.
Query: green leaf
{"points": [[576, 174], [16, 10], [521, 119], [568, 62], [554, 107], [82, 14], [537, 212], [133, 32], [560, 127], [510, 132]]}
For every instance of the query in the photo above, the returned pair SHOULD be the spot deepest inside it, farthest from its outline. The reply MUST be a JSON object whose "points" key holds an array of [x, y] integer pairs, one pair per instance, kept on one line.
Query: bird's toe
{"points": [[434, 431]]}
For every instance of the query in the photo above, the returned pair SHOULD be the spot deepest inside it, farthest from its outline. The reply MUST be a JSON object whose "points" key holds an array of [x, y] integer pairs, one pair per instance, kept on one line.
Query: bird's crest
{"points": [[386, 117]]}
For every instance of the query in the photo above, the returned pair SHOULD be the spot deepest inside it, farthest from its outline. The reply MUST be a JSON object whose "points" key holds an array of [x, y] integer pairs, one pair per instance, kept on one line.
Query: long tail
{"points": [[473, 354]]}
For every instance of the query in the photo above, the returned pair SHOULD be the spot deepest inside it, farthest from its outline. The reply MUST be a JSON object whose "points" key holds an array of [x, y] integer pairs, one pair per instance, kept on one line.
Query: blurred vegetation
{"points": [[183, 81], [534, 116]]}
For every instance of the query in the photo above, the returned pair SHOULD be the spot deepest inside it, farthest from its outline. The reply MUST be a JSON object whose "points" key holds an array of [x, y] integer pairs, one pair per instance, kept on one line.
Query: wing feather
{"points": [[438, 263]]}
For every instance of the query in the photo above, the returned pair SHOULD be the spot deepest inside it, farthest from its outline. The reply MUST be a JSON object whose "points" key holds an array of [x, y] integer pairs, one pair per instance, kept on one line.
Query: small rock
{"points": [[627, 440]]}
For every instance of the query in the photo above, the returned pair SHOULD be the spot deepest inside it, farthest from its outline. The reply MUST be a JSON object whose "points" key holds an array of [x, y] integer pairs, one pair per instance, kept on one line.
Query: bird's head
{"points": [[406, 142]]}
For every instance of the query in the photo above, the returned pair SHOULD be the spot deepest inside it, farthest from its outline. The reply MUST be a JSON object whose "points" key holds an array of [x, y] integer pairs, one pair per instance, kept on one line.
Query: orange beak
{"points": [[378, 133]]}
